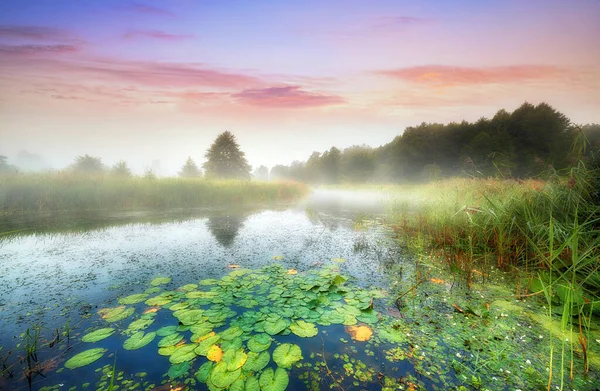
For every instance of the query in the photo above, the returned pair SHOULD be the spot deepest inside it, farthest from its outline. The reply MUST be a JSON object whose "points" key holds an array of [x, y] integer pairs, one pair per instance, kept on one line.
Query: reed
{"points": [[68, 191]]}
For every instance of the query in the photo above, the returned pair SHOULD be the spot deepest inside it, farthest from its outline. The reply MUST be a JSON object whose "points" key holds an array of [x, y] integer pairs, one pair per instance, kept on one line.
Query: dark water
{"points": [[60, 272]]}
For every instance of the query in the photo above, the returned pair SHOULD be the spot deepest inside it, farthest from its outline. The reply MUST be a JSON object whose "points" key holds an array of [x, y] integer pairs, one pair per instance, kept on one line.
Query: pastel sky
{"points": [[159, 80]]}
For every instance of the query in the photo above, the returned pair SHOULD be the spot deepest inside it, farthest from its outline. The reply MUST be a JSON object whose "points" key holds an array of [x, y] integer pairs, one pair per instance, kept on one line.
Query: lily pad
{"points": [[98, 335], [170, 340], [178, 370], [160, 281], [257, 361], [140, 324], [204, 371], [274, 380], [166, 330], [285, 355], [235, 359], [133, 299], [138, 340], [117, 315], [183, 354], [275, 327], [252, 384], [304, 329], [202, 349], [231, 333], [190, 317], [259, 342], [214, 353], [159, 300], [221, 377], [84, 358]]}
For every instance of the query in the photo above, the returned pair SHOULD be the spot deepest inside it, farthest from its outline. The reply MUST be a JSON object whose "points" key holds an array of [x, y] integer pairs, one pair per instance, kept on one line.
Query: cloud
{"points": [[156, 34], [391, 23], [38, 33], [147, 9], [286, 97], [32, 50], [448, 76]]}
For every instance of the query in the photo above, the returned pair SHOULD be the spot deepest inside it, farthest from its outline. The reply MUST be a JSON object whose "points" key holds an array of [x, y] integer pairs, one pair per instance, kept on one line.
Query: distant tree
{"points": [[190, 169], [261, 173], [225, 159], [88, 165], [279, 172], [4, 166], [121, 170], [149, 174]]}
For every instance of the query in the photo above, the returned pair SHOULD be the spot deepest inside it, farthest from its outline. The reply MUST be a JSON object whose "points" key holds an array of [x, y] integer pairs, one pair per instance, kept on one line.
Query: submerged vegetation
{"points": [[68, 191]]}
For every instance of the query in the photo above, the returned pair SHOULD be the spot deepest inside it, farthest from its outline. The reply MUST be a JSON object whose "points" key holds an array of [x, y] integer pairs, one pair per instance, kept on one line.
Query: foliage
{"points": [[121, 170], [520, 144], [67, 191], [88, 165], [224, 159], [190, 169]]}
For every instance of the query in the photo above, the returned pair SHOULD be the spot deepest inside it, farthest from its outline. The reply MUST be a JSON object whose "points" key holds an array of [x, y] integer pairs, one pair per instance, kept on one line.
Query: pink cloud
{"points": [[286, 97], [33, 50], [38, 33], [147, 9], [156, 34], [452, 76]]}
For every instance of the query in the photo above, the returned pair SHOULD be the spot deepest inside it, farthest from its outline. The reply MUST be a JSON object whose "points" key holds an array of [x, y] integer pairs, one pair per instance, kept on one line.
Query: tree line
{"points": [[525, 143]]}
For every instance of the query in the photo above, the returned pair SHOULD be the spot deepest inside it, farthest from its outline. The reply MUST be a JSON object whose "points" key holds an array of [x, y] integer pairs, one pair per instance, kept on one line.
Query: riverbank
{"points": [[63, 191]]}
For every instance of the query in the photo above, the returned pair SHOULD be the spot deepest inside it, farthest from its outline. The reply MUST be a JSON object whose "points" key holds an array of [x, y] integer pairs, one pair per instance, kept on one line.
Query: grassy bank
{"points": [[546, 234], [63, 191]]}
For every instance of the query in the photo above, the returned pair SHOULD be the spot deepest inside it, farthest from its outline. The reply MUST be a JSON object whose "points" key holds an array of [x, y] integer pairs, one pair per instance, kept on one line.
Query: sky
{"points": [[156, 81]]}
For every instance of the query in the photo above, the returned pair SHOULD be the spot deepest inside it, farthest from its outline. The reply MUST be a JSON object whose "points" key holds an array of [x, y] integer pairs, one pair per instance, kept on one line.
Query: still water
{"points": [[58, 275]]}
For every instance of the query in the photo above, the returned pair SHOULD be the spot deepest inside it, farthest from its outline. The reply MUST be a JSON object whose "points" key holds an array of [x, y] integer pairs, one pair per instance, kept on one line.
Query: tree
{"points": [[88, 165], [121, 170], [190, 169], [4, 166], [261, 173], [225, 159]]}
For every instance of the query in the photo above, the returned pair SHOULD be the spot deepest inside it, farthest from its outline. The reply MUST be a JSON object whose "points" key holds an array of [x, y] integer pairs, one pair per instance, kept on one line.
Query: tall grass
{"points": [[547, 233], [66, 191]]}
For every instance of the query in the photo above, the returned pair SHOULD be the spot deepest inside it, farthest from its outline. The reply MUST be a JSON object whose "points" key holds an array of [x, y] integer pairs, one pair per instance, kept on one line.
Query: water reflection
{"points": [[225, 228]]}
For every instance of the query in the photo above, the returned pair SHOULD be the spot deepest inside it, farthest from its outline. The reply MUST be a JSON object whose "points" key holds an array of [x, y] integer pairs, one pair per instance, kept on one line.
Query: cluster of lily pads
{"points": [[235, 324]]}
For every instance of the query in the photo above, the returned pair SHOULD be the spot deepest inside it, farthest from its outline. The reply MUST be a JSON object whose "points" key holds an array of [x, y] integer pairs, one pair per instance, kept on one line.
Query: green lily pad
{"points": [[204, 372], [285, 355], [158, 301], [231, 333], [133, 299], [178, 370], [98, 335], [221, 377], [259, 342], [189, 287], [166, 330], [252, 384], [235, 359], [304, 329], [170, 340], [190, 317], [183, 354], [160, 281], [234, 344], [238, 385], [140, 324], [257, 361], [274, 380], [120, 315], [179, 306], [167, 350], [138, 340], [275, 327], [204, 345], [84, 358]]}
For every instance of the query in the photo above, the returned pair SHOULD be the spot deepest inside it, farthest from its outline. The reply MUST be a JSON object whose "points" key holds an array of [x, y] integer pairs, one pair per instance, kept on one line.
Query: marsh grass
{"points": [[546, 233], [67, 191]]}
